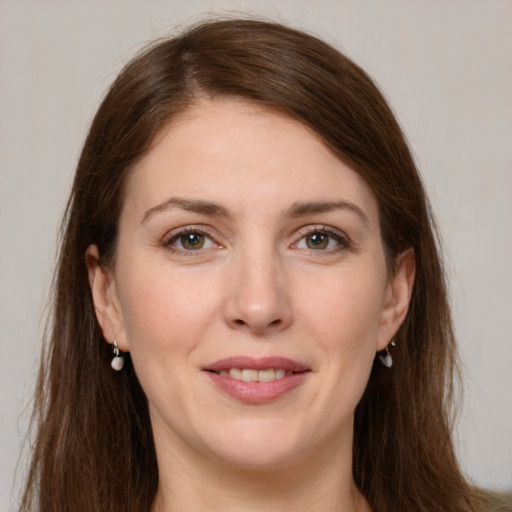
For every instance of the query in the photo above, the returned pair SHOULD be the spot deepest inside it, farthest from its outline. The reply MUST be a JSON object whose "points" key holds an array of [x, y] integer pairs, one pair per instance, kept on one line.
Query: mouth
{"points": [[249, 375], [256, 381]]}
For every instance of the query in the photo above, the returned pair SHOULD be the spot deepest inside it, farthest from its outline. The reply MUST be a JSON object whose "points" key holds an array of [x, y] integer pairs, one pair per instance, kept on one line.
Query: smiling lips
{"points": [[256, 381], [248, 375]]}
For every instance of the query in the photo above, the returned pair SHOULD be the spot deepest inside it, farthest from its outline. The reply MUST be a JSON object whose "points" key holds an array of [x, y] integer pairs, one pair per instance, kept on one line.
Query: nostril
{"points": [[239, 322]]}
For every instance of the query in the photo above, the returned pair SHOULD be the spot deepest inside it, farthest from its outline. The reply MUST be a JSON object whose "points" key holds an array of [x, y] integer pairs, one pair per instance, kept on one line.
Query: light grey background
{"points": [[446, 67]]}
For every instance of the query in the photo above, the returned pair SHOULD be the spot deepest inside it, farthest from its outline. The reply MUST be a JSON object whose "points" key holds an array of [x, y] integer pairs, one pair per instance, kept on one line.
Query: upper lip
{"points": [[251, 363]]}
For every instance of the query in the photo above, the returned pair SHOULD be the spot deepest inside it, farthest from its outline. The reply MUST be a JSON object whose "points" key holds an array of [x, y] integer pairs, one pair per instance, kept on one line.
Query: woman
{"points": [[250, 310]]}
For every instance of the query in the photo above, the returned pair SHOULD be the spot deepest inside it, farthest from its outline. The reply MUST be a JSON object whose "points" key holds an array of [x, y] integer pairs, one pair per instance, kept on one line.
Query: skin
{"points": [[258, 286]]}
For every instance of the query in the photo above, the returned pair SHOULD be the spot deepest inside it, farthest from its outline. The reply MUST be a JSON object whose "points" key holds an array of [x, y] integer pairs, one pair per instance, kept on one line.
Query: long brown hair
{"points": [[94, 449]]}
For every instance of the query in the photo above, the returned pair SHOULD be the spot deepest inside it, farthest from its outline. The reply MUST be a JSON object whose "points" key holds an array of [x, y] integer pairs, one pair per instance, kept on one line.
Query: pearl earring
{"points": [[384, 355], [118, 360]]}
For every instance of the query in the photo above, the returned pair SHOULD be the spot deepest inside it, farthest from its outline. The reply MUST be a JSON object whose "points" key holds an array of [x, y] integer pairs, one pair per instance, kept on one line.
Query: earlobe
{"points": [[398, 297], [105, 298]]}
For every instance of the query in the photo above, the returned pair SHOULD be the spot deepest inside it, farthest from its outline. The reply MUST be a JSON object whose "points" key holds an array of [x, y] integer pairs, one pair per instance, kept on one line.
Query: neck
{"points": [[200, 484]]}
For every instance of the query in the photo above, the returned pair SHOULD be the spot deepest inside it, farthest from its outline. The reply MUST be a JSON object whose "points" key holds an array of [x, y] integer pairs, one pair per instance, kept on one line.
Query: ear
{"points": [[397, 298], [107, 305]]}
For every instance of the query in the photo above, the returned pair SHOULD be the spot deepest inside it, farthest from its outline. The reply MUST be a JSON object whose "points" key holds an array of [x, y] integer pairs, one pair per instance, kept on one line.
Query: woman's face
{"points": [[250, 288]]}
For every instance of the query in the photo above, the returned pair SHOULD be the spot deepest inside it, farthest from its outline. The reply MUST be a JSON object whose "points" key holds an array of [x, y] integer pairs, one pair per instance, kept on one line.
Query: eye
{"points": [[322, 239], [190, 240], [318, 241]]}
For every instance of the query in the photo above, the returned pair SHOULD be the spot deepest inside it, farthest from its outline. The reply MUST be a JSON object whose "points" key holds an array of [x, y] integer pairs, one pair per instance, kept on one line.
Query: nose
{"points": [[258, 298]]}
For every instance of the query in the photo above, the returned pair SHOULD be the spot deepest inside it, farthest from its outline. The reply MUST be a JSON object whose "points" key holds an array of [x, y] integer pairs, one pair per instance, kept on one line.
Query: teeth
{"points": [[249, 375], [235, 373], [266, 375]]}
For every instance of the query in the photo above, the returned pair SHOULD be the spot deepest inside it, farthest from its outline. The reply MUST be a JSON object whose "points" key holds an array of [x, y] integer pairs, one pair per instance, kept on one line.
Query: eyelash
{"points": [[333, 234], [190, 230]]}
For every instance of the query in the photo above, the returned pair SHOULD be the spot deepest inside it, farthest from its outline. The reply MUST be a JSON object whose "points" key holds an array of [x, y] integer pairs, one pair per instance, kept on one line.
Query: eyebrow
{"points": [[300, 209], [190, 205]]}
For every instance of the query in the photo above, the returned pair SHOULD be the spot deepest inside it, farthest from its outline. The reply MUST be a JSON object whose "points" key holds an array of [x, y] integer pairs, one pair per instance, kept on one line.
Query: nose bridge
{"points": [[258, 293]]}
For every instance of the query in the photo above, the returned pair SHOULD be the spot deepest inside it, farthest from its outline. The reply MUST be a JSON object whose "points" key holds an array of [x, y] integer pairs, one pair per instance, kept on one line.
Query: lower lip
{"points": [[257, 392]]}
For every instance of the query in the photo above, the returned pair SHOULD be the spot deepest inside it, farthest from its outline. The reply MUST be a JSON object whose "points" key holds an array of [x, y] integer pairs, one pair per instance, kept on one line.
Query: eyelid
{"points": [[171, 236], [342, 238]]}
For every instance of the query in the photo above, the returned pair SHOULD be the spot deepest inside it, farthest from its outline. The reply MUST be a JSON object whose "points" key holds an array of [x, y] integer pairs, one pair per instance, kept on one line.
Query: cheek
{"points": [[342, 315], [345, 309], [166, 318], [164, 310]]}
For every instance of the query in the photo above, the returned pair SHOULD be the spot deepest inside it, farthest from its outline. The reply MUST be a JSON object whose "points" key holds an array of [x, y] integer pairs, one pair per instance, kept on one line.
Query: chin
{"points": [[255, 445], [257, 458]]}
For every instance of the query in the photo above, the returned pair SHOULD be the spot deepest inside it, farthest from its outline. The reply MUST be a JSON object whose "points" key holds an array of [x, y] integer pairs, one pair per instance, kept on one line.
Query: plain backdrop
{"points": [[446, 68]]}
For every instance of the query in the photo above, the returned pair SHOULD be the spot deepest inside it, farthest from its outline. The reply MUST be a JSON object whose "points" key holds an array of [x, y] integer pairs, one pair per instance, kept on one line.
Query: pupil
{"points": [[317, 241], [192, 238], [192, 241]]}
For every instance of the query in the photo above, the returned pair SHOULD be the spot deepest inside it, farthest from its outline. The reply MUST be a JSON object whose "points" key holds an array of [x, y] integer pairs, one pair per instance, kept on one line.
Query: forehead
{"points": [[242, 155]]}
